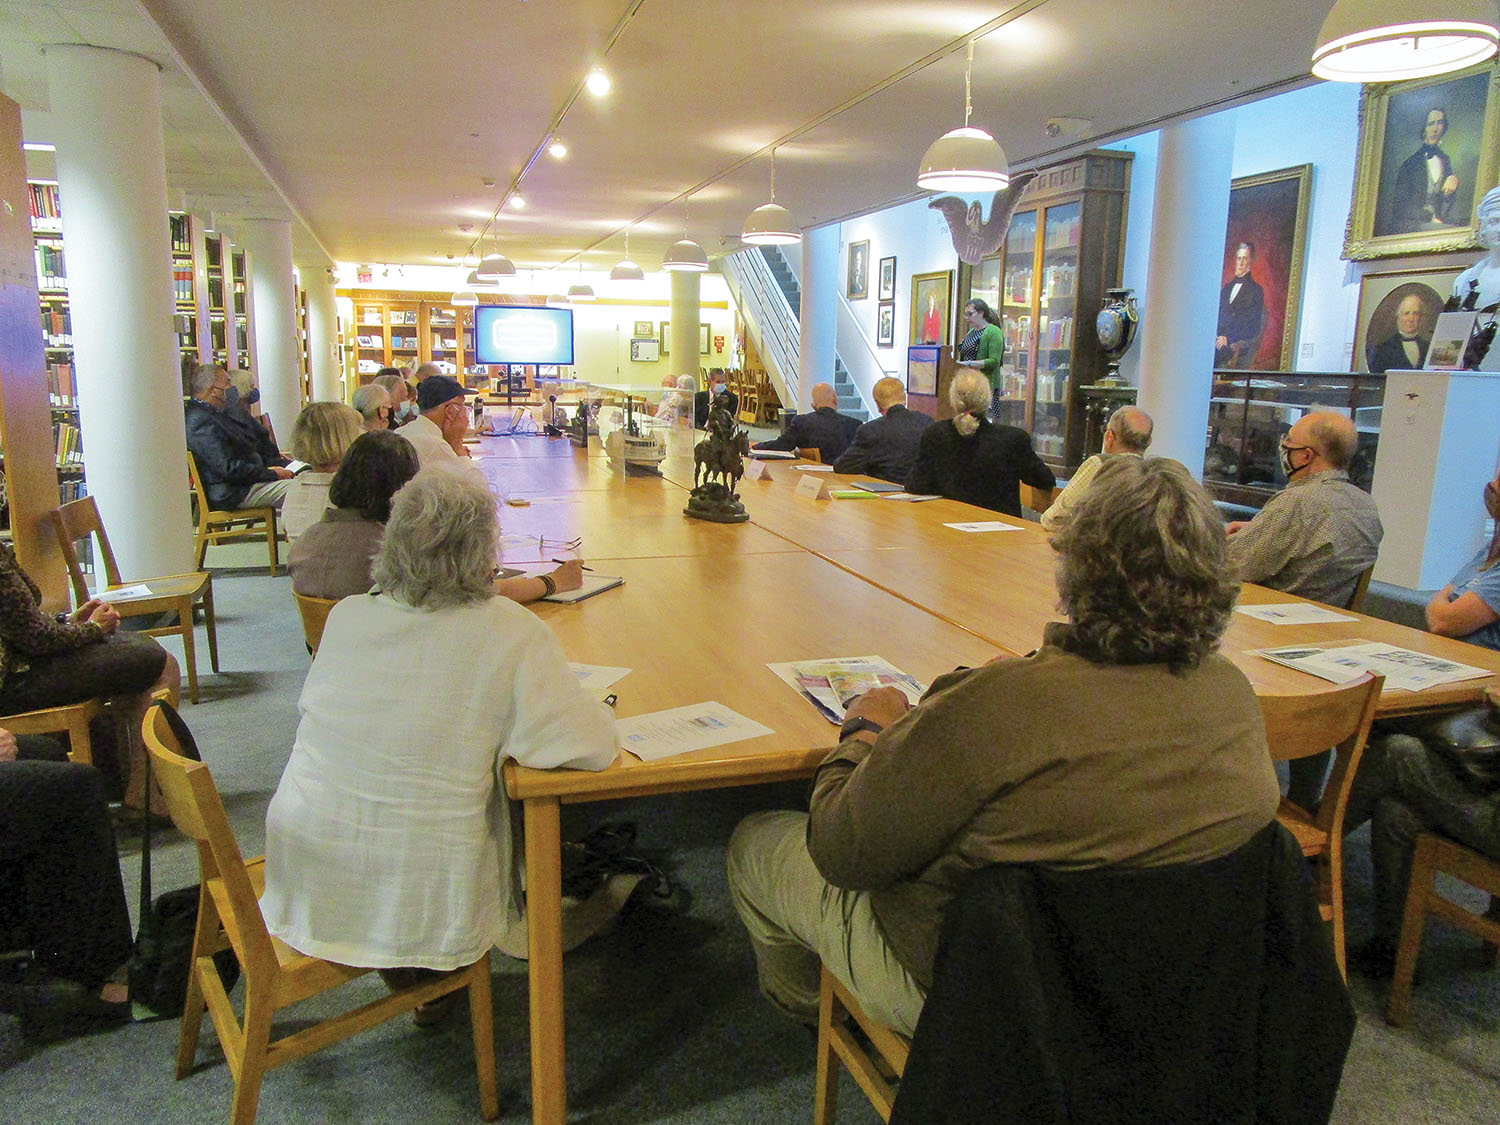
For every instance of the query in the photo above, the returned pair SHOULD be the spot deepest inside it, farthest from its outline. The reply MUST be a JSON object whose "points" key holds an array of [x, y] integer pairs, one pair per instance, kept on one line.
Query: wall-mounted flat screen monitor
{"points": [[522, 334]]}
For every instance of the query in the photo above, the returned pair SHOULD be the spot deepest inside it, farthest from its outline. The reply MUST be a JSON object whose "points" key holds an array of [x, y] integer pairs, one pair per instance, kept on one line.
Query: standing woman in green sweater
{"points": [[982, 348]]}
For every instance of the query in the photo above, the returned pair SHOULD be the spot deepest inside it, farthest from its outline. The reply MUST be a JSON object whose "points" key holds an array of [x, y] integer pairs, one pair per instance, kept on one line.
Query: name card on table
{"points": [[813, 487], [756, 470]]}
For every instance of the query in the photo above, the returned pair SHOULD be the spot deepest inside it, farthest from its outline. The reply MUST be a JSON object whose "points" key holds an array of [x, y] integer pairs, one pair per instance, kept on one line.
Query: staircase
{"points": [[849, 401]]}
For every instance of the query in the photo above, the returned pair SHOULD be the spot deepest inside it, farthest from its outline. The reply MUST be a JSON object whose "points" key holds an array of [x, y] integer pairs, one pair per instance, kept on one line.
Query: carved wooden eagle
{"points": [[973, 237]]}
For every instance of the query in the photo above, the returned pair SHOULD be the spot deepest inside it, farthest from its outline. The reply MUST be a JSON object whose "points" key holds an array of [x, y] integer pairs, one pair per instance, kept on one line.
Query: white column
{"points": [[273, 301], [112, 183], [685, 318], [322, 336], [1180, 315], [819, 315]]}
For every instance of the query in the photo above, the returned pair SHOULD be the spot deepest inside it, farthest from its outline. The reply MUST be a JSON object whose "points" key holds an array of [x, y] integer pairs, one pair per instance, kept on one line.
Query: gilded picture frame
{"points": [[1381, 293], [1267, 211], [1388, 215], [931, 307]]}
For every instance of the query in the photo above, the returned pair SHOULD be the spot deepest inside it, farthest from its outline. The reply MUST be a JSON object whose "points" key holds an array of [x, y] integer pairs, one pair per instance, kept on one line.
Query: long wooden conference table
{"points": [[705, 607]]}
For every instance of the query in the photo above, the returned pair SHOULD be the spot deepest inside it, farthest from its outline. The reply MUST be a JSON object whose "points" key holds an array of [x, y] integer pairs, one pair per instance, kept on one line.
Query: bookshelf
{"points": [[391, 329], [1062, 251], [304, 347], [238, 311]]}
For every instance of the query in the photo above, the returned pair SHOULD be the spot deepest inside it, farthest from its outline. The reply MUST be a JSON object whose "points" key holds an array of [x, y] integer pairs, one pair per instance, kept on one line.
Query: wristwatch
{"points": [[857, 724]]}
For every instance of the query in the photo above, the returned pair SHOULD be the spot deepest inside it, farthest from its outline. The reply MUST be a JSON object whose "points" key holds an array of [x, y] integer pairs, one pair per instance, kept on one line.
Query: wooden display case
{"points": [[1062, 251]]}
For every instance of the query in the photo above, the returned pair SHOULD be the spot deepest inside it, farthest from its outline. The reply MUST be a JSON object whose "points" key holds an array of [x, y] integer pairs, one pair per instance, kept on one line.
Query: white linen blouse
{"points": [[306, 501], [389, 839]]}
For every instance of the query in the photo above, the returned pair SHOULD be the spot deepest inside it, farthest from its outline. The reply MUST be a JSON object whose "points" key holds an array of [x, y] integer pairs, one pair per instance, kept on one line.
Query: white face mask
{"points": [[1287, 467]]}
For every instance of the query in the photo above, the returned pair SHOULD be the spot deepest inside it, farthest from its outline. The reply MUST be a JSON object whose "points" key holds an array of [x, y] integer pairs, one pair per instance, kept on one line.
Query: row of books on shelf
{"points": [[69, 445], [447, 343], [50, 271], [57, 325], [403, 341], [1062, 234], [1054, 332], [1059, 279], [45, 213], [182, 238], [182, 282], [373, 314], [60, 388], [1018, 287]]}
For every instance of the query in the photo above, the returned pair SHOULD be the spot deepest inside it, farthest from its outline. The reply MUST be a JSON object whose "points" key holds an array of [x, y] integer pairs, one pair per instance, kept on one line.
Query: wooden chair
{"points": [[1037, 499], [229, 524], [71, 719], [276, 976], [314, 613], [1356, 602], [174, 593], [1299, 726], [876, 1069], [811, 453], [1436, 853]]}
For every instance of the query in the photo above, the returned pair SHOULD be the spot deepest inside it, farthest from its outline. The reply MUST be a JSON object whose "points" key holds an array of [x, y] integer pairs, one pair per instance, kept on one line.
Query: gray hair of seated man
{"points": [[441, 541], [970, 395], [1141, 567], [369, 399]]}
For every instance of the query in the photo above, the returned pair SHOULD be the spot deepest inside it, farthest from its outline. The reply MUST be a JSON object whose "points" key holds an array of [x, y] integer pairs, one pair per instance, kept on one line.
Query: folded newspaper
{"points": [[1401, 667], [830, 685]]}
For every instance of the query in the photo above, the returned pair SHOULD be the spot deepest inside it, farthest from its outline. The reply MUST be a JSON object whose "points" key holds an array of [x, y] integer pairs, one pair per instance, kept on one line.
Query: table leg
{"points": [[190, 656], [545, 967]]}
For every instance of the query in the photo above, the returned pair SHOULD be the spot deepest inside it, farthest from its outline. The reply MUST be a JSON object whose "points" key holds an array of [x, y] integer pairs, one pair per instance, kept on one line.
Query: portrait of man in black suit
{"points": [[1406, 348], [1426, 186], [1242, 313]]}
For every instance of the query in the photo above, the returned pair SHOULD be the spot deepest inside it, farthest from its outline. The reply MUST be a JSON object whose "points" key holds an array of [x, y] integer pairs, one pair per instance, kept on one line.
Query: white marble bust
{"points": [[1486, 271]]}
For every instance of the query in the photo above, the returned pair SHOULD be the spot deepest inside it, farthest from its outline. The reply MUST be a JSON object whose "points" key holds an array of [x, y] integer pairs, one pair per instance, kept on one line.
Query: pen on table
{"points": [[561, 561], [609, 700]]}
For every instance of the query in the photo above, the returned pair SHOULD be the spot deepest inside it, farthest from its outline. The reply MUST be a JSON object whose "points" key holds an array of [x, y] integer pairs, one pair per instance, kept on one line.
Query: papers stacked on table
{"points": [[1401, 667], [1292, 613], [830, 685]]}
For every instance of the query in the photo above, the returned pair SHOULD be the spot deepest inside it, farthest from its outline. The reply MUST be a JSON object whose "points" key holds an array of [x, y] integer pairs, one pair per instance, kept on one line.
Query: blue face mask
{"points": [[253, 397], [231, 397]]}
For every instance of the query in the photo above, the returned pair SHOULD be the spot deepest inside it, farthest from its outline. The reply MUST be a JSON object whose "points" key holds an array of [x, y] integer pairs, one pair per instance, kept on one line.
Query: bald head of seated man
{"points": [[886, 446], [1316, 536], [1127, 434], [823, 428]]}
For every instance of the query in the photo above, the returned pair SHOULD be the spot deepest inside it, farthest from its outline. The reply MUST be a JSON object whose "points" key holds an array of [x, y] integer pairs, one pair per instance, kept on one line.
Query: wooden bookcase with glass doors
{"points": [[1046, 283]]}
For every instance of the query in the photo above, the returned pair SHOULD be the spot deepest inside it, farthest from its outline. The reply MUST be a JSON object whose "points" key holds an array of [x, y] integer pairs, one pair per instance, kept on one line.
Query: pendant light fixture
{"points": [[582, 291], [625, 269], [965, 160], [1393, 40], [770, 224], [495, 265], [464, 298], [685, 256]]}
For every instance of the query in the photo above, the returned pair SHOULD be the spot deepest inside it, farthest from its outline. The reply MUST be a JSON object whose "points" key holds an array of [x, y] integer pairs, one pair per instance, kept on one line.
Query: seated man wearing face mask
{"points": [[1312, 539], [1317, 535], [702, 400]]}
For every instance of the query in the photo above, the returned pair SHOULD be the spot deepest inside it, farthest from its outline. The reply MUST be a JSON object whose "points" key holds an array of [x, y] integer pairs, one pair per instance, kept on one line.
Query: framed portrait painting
{"points": [[1261, 285], [665, 337], [885, 325], [1398, 310], [857, 284], [931, 307], [703, 332], [1428, 150], [887, 287]]}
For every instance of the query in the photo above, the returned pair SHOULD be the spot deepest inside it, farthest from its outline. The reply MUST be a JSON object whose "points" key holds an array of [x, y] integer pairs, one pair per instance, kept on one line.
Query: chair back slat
{"points": [[75, 520], [314, 613], [1298, 726], [197, 811]]}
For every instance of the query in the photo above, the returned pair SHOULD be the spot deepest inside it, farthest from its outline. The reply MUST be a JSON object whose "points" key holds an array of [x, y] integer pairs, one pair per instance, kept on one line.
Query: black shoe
{"points": [[54, 1008], [1376, 959]]}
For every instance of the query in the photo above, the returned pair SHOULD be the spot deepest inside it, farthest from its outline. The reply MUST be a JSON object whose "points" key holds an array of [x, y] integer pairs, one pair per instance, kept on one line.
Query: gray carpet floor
{"points": [[664, 1024]]}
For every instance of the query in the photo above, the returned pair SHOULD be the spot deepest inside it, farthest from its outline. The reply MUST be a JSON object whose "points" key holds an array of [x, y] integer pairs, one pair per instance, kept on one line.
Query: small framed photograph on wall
{"points": [[643, 330], [703, 339], [857, 284], [887, 287], [665, 336], [885, 325]]}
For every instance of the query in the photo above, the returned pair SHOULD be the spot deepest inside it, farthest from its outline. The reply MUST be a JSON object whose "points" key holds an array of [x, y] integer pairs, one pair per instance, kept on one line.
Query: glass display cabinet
{"points": [[1251, 411], [1061, 252]]}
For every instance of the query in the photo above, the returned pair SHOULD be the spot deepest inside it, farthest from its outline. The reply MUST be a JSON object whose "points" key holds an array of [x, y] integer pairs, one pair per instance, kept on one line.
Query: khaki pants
{"points": [[796, 918]]}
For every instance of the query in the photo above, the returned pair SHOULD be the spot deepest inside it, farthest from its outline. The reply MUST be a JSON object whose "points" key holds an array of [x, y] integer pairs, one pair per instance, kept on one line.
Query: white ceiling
{"points": [[372, 123]]}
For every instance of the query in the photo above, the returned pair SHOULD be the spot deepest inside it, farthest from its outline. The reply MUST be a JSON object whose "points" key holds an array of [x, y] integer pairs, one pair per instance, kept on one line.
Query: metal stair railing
{"points": [[769, 318]]}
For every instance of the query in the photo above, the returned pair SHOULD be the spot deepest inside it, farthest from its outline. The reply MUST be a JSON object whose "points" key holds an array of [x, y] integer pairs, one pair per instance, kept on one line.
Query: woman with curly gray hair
{"points": [[1125, 740], [388, 842], [969, 458]]}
